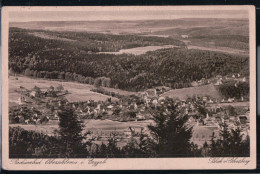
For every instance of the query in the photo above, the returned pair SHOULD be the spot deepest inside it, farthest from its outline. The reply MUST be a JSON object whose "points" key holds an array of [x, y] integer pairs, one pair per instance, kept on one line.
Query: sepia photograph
{"points": [[107, 84]]}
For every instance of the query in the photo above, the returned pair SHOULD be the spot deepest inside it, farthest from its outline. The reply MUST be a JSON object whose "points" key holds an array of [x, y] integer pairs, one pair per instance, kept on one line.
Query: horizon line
{"points": [[132, 20]]}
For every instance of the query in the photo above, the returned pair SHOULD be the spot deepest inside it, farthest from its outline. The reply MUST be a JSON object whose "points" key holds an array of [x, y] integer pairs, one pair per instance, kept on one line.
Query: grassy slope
{"points": [[78, 92], [205, 90]]}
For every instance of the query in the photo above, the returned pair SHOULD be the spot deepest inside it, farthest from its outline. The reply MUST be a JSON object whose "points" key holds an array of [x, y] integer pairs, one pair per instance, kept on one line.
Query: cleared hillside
{"points": [[184, 93]]}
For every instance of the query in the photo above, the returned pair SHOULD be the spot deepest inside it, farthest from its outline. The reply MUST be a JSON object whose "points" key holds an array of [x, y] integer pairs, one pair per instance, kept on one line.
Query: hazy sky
{"points": [[23, 16]]}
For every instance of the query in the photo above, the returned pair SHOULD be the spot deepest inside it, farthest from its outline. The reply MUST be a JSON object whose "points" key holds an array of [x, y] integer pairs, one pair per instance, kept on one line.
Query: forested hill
{"points": [[70, 60], [80, 41]]}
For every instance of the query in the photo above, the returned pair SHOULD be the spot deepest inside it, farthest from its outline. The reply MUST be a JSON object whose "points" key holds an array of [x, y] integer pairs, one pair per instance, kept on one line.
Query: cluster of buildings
{"points": [[219, 79], [122, 110], [205, 113], [36, 106]]}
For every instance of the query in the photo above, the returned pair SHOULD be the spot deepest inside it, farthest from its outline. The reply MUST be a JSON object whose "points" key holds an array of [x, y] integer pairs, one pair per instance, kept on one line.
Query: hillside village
{"points": [[41, 106]]}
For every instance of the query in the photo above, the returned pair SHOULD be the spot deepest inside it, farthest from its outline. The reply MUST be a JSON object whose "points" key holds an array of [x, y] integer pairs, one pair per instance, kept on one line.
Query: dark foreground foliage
{"points": [[230, 144]]}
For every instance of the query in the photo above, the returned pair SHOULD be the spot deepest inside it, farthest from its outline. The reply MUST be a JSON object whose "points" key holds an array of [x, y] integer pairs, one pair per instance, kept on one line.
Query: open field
{"points": [[237, 104], [99, 128], [95, 126], [219, 49], [120, 91], [104, 128], [182, 94], [77, 91], [139, 50]]}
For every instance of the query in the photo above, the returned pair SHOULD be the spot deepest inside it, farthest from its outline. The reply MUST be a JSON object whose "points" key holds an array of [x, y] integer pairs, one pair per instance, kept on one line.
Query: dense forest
{"points": [[81, 42], [234, 90], [173, 67]]}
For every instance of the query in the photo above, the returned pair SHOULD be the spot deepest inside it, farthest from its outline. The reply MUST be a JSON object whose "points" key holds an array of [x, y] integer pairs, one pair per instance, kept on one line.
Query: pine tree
{"points": [[102, 151], [225, 139], [205, 149], [70, 131], [144, 143], [137, 146], [213, 148], [170, 133], [131, 148], [113, 150], [236, 141], [230, 143]]}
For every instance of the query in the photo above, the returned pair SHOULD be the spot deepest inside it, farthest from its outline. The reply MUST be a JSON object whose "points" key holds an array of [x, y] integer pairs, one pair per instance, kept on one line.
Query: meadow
{"points": [[184, 93], [139, 50], [100, 129], [77, 91]]}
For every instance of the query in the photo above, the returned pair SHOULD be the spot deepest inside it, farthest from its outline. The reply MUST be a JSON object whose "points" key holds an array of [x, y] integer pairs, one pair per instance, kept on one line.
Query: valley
{"points": [[130, 82]]}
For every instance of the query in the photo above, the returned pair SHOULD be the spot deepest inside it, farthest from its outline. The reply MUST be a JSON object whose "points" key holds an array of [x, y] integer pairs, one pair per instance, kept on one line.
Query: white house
{"points": [[219, 82], [161, 98], [21, 100], [194, 84], [33, 94], [56, 117], [207, 117], [155, 102], [140, 117], [230, 100], [135, 106], [98, 107], [205, 98], [26, 121], [110, 107], [210, 101], [219, 77]]}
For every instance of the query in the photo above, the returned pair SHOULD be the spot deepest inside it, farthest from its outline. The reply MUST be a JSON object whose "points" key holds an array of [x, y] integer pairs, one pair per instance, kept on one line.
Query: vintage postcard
{"points": [[129, 88]]}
